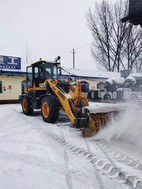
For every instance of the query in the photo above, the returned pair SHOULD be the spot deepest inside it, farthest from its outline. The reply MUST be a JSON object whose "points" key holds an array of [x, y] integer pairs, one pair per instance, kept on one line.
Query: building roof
{"points": [[90, 74], [76, 73], [4, 72]]}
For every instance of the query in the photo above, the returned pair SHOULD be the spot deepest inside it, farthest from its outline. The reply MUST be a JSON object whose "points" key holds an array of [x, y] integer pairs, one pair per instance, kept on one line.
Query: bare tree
{"points": [[27, 56], [138, 65], [111, 45], [133, 48]]}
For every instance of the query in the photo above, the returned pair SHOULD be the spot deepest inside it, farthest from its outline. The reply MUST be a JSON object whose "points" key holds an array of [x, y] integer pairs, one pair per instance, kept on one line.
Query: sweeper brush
{"points": [[101, 114]]}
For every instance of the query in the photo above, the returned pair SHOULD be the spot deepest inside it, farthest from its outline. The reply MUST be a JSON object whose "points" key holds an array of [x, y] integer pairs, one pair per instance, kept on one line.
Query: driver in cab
{"points": [[44, 74]]}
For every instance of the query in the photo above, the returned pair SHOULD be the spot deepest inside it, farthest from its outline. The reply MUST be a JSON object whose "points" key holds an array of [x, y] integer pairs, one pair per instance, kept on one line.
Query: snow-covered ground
{"points": [[38, 155]]}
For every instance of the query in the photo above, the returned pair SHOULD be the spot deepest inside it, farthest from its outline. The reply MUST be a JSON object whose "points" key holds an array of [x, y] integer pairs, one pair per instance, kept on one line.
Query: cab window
{"points": [[36, 72], [29, 77], [36, 76]]}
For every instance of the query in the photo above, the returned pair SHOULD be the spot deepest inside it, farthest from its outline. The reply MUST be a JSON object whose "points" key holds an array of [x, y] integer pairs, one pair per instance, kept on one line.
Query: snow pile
{"points": [[131, 78], [127, 127], [119, 80], [116, 80], [107, 107]]}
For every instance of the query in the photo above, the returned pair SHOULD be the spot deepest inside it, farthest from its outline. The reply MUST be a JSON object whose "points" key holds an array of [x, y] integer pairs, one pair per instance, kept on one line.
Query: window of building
{"points": [[0, 87], [84, 86], [100, 85]]}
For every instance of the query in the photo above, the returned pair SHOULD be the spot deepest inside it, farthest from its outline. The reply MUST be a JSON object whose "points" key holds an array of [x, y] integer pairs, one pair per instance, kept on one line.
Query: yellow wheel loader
{"points": [[43, 90]]}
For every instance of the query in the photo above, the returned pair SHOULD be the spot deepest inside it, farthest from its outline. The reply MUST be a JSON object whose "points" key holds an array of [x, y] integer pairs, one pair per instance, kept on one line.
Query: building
{"points": [[88, 78], [10, 85], [10, 81]]}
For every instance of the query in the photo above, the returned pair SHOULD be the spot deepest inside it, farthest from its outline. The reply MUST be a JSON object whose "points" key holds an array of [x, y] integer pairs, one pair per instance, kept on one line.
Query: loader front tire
{"points": [[50, 109], [27, 110]]}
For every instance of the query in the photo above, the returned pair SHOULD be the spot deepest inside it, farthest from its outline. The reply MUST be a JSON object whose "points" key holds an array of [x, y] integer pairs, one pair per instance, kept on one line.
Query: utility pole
{"points": [[73, 53]]}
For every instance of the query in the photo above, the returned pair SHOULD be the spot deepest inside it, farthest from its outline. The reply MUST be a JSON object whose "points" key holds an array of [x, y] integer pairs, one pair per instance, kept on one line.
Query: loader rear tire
{"points": [[50, 109], [27, 110]]}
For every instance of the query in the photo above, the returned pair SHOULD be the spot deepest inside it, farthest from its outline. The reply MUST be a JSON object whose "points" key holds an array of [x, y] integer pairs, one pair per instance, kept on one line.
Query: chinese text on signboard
{"points": [[10, 62]]}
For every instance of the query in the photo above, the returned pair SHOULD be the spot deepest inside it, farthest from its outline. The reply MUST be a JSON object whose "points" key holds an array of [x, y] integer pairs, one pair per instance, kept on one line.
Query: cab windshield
{"points": [[48, 71]]}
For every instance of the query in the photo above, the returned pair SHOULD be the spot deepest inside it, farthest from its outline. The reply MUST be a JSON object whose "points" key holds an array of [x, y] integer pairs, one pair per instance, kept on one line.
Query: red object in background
{"points": [[9, 87]]}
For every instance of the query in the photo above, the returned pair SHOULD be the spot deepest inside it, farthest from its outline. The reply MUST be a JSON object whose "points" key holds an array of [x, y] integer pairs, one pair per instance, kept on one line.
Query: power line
{"points": [[78, 47]]}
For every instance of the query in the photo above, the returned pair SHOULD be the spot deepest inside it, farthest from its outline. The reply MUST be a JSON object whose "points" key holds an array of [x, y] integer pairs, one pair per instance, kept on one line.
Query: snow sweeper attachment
{"points": [[44, 90], [101, 114]]}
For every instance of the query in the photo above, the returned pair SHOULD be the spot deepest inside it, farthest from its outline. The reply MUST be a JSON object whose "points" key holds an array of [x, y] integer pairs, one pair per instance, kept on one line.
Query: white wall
{"points": [[11, 87]]}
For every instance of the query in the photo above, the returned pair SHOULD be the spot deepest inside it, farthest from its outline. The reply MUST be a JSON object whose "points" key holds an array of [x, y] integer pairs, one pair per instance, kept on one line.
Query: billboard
{"points": [[10, 62]]}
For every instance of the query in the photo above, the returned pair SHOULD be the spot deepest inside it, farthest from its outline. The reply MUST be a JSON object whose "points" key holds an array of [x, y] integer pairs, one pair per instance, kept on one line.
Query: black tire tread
{"points": [[29, 110], [53, 109]]}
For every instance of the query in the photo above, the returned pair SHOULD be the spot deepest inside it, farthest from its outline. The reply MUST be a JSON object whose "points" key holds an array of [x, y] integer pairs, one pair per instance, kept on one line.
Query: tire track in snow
{"points": [[49, 135], [129, 178], [103, 165], [122, 158], [100, 183], [67, 171], [68, 175], [81, 170]]}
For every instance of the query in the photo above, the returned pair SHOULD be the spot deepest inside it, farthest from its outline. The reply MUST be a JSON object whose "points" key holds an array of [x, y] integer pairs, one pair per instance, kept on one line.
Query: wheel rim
{"points": [[45, 109], [24, 105]]}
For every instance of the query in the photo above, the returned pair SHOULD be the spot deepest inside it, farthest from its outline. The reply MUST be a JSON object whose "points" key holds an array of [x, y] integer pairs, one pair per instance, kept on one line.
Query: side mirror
{"points": [[58, 58], [135, 12]]}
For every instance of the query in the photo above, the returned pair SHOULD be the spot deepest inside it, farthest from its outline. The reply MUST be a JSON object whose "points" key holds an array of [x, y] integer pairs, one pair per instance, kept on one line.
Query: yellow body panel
{"points": [[63, 100]]}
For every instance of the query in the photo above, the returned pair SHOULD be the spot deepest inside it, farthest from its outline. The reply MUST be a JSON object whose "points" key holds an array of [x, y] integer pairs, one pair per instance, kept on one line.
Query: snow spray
{"points": [[127, 127]]}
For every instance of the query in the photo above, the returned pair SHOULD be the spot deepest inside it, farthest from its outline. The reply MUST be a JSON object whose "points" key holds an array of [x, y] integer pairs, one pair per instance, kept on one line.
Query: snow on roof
{"points": [[89, 73], [94, 74], [131, 77], [117, 80], [136, 75]]}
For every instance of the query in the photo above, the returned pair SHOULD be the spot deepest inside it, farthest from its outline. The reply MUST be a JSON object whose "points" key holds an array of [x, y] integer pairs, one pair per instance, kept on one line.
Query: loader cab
{"points": [[38, 72]]}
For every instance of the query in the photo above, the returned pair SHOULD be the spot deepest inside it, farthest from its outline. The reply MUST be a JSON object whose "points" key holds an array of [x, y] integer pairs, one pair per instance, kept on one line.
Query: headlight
{"points": [[42, 85]]}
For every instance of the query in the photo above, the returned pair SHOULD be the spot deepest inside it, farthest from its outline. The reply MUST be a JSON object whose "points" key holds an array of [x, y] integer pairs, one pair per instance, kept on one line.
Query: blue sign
{"points": [[10, 62]]}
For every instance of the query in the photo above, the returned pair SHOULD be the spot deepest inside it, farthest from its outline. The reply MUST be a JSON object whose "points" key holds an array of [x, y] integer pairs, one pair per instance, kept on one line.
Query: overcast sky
{"points": [[47, 28]]}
